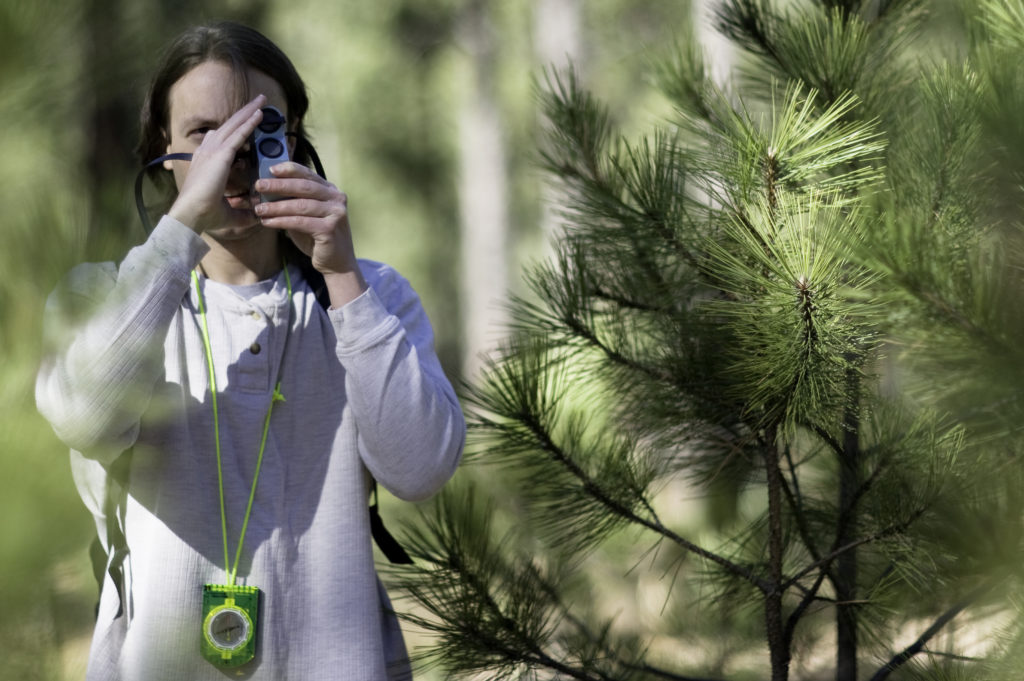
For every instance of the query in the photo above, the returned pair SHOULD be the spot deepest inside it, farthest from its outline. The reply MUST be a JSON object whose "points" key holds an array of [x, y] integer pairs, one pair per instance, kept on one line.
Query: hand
{"points": [[200, 203], [316, 218]]}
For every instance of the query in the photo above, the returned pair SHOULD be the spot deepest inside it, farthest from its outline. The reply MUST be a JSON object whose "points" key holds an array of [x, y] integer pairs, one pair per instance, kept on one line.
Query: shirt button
{"points": [[254, 348], [255, 315]]}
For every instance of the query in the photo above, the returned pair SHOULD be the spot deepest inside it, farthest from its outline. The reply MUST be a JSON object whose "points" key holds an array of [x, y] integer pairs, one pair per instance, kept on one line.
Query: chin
{"points": [[242, 226]]}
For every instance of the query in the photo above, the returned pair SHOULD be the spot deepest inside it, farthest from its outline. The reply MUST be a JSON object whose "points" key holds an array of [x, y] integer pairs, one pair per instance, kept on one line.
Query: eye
{"points": [[200, 132]]}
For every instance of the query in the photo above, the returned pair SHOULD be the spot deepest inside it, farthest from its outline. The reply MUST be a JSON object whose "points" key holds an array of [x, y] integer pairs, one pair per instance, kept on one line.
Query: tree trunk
{"points": [[483, 182], [778, 647], [846, 564], [717, 48], [557, 42]]}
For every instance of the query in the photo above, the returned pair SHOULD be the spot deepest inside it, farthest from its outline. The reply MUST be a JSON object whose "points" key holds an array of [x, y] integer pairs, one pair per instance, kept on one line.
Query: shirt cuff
{"points": [[177, 243], [361, 323]]}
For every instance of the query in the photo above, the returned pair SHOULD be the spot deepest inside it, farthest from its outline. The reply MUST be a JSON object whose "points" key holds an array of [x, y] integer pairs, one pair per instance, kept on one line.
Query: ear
{"points": [[293, 140], [168, 165]]}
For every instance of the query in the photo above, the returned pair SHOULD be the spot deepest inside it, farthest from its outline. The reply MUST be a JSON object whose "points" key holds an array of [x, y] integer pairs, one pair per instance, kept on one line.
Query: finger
{"points": [[306, 225], [291, 169], [243, 117], [299, 188], [235, 131], [237, 138], [300, 207]]}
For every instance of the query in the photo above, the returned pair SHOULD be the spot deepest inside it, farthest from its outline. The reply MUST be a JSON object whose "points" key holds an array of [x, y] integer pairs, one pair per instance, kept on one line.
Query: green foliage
{"points": [[793, 300], [778, 335], [386, 79]]}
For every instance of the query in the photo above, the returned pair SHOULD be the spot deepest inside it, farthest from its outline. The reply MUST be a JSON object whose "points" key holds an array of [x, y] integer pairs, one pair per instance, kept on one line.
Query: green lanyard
{"points": [[276, 397]]}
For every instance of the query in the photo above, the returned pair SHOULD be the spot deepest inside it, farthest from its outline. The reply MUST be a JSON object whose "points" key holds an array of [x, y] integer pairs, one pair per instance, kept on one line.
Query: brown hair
{"points": [[234, 44], [241, 48]]}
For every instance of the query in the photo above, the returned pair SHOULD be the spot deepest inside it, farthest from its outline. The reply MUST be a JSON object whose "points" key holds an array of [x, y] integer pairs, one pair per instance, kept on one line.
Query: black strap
{"points": [[140, 204], [388, 545]]}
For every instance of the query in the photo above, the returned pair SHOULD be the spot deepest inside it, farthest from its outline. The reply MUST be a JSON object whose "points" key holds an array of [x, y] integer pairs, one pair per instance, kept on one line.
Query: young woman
{"points": [[227, 423]]}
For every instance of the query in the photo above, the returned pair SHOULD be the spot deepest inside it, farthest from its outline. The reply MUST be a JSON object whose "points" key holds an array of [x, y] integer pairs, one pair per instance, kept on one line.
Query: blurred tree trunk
{"points": [[483, 188], [717, 47], [122, 41], [558, 42], [109, 115]]}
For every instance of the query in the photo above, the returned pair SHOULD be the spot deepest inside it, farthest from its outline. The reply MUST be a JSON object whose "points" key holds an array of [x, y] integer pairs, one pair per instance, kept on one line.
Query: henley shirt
{"points": [[364, 396]]}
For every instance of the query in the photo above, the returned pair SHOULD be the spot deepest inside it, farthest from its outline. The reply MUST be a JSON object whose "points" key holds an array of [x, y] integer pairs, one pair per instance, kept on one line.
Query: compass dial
{"points": [[228, 628]]}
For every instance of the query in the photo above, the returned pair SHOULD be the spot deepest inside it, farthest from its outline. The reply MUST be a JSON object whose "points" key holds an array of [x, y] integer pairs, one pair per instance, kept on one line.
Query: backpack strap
{"points": [[388, 545], [109, 559]]}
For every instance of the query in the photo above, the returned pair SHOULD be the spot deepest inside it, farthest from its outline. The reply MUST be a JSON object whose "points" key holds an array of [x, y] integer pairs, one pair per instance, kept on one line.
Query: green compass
{"points": [[229, 624]]}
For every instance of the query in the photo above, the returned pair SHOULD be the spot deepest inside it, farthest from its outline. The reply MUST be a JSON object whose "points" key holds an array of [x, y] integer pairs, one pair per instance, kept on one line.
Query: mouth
{"points": [[242, 200]]}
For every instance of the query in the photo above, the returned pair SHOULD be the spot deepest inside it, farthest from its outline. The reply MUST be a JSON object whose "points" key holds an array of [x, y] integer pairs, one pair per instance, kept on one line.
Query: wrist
{"points": [[186, 217], [344, 287]]}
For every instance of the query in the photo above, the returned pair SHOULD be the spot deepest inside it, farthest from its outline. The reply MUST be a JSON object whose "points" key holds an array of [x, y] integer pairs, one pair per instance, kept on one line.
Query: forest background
{"points": [[424, 112]]}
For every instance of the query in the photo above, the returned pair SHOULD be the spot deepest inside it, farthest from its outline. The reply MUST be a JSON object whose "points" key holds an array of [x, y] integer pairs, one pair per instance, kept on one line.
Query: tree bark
{"points": [[557, 43], [778, 645], [846, 565], [483, 182]]}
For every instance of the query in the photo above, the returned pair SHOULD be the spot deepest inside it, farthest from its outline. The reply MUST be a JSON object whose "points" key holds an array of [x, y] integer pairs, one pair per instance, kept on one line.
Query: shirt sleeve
{"points": [[411, 426], [99, 374]]}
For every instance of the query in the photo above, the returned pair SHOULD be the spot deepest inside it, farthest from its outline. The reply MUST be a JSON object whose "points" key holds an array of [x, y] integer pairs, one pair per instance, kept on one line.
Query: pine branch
{"points": [[662, 674], [494, 636], [798, 612], [624, 302], [747, 22], [774, 627], [917, 646], [481, 631], [801, 522], [839, 551], [608, 654], [835, 445], [586, 334], [622, 511]]}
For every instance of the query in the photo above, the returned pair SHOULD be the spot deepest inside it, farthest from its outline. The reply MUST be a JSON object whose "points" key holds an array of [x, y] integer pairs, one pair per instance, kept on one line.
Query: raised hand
{"points": [[201, 203], [316, 218]]}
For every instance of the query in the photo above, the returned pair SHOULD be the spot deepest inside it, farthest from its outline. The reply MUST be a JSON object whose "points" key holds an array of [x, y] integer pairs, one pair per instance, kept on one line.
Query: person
{"points": [[238, 423]]}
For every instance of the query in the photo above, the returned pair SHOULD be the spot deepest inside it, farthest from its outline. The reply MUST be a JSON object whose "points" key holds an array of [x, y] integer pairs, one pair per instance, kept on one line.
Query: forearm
{"points": [[345, 287], [96, 384], [410, 423]]}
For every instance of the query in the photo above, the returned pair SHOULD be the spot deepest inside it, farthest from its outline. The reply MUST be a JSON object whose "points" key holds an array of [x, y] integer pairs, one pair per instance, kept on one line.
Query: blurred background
{"points": [[423, 111]]}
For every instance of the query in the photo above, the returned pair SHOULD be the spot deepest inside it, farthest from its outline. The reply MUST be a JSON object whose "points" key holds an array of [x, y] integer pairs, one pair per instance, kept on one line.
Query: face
{"points": [[201, 101]]}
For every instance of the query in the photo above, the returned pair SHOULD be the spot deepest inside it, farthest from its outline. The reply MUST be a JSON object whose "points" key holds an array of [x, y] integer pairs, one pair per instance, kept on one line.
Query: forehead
{"points": [[211, 92]]}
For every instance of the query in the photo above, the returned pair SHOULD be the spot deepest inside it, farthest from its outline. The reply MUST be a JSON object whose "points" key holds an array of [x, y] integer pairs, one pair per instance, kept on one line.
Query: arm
{"points": [[96, 382], [411, 426]]}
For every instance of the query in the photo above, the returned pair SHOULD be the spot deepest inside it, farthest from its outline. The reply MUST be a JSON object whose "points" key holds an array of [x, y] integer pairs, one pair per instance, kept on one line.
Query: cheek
{"points": [[180, 169]]}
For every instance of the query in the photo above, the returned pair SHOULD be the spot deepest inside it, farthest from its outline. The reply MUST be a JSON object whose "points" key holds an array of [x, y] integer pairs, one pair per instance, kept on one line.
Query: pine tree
{"points": [[797, 298]]}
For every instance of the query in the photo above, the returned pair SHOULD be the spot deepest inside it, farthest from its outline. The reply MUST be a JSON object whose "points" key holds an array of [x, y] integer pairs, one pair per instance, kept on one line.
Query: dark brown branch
{"points": [[823, 562], [623, 511], [553, 594], [917, 646], [774, 625], [801, 608]]}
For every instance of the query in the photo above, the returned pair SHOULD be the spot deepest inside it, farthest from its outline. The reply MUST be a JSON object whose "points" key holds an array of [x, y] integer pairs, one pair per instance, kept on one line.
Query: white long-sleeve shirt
{"points": [[364, 395]]}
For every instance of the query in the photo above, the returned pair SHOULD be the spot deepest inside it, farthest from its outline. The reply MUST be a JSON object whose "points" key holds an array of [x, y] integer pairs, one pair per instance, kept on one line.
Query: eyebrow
{"points": [[199, 122]]}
